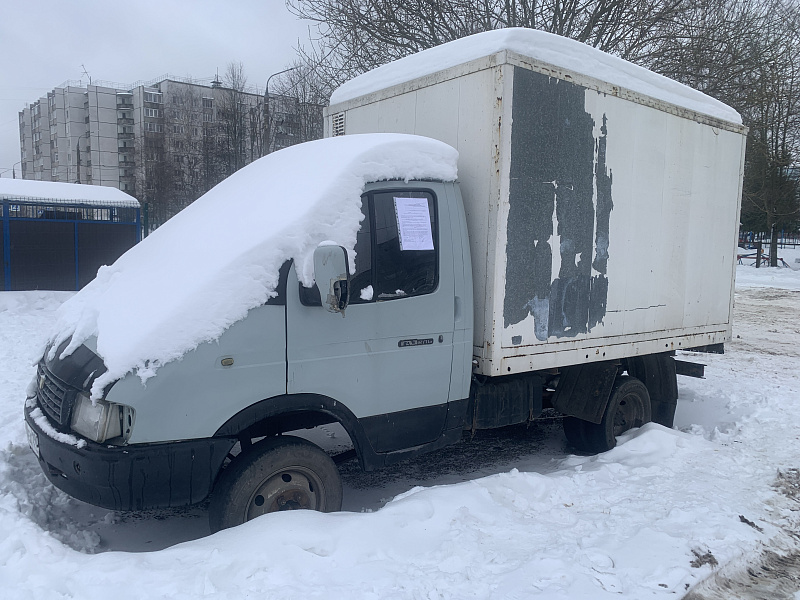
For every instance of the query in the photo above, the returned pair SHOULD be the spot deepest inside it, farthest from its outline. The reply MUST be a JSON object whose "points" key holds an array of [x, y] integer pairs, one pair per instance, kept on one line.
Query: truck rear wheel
{"points": [[628, 407], [280, 473]]}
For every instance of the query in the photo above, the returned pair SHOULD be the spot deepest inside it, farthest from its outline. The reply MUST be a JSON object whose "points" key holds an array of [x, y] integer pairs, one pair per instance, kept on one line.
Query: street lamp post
{"points": [[12, 169], [267, 117]]}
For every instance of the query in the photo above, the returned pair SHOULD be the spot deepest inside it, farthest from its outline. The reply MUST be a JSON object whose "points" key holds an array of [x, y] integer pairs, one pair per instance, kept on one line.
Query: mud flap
{"points": [[657, 372], [583, 390]]}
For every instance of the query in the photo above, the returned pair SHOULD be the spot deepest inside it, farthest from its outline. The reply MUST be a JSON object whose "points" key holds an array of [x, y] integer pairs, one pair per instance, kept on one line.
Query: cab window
{"points": [[397, 253]]}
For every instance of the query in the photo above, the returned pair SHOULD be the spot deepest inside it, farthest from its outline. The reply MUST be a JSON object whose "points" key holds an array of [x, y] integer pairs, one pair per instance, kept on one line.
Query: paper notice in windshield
{"points": [[413, 223]]}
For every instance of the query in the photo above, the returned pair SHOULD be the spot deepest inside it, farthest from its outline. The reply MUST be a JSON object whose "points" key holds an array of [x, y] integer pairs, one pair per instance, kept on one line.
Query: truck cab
{"points": [[389, 362]]}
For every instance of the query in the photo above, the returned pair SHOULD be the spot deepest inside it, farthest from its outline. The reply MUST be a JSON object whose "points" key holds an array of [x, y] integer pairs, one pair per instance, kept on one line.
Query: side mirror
{"points": [[332, 277]]}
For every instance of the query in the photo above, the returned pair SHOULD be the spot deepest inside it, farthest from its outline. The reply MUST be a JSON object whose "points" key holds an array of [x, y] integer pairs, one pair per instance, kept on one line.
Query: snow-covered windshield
{"points": [[542, 46], [208, 266]]}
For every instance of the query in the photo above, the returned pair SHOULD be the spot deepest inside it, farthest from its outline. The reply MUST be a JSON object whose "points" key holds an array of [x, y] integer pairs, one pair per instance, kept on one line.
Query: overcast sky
{"points": [[44, 43]]}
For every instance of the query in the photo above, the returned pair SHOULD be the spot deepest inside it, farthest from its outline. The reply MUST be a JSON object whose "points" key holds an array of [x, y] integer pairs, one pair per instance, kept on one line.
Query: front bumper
{"points": [[132, 477]]}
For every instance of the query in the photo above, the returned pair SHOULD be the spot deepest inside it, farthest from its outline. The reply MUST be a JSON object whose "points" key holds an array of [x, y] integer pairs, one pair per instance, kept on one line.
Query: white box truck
{"points": [[591, 233]]}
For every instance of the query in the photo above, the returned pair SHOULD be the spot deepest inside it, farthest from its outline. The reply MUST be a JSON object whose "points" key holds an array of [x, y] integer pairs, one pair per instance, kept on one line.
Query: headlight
{"points": [[100, 420]]}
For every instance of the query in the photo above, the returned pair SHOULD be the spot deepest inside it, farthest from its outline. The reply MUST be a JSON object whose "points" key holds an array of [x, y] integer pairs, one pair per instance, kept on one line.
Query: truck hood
{"points": [[80, 368]]}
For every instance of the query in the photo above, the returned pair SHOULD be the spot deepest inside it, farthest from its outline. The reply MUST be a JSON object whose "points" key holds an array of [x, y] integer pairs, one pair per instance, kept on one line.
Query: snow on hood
{"points": [[208, 266], [539, 45]]}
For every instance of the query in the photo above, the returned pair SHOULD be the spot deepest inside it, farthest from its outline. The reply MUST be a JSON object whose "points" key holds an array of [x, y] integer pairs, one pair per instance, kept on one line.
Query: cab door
{"points": [[388, 360]]}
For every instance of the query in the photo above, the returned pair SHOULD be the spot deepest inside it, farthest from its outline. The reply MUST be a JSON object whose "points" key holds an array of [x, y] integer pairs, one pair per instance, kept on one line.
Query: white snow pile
{"points": [[208, 266], [542, 46], [764, 277]]}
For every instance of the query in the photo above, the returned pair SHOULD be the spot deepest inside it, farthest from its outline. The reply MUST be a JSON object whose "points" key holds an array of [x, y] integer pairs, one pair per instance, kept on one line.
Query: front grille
{"points": [[54, 397]]}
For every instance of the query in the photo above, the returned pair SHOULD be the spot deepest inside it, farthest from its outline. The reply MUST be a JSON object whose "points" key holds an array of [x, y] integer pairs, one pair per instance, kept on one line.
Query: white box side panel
{"points": [[675, 190]]}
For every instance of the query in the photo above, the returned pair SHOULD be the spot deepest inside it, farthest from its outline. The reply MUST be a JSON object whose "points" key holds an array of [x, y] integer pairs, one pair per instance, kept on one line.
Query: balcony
{"points": [[124, 121], [126, 149], [124, 136], [124, 105], [126, 163]]}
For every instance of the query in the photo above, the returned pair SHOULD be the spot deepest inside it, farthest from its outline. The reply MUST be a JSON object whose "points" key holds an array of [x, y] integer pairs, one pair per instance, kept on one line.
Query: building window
{"points": [[156, 97], [154, 127], [208, 103], [208, 118], [152, 112]]}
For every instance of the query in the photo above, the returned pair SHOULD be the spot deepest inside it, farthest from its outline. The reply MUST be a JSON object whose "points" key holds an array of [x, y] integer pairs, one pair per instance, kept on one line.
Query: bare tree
{"points": [[294, 107], [233, 114], [357, 35], [184, 137], [257, 130], [770, 200]]}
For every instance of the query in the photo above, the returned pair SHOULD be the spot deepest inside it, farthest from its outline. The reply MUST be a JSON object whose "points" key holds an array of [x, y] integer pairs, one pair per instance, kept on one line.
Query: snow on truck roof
{"points": [[541, 46], [205, 268], [51, 192]]}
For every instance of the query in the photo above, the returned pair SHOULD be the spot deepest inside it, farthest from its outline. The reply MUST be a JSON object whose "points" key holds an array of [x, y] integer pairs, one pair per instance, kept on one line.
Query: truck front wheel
{"points": [[628, 407], [280, 473]]}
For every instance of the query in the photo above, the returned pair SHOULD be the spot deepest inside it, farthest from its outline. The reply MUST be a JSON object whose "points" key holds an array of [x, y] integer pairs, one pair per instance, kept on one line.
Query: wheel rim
{"points": [[293, 488], [628, 414]]}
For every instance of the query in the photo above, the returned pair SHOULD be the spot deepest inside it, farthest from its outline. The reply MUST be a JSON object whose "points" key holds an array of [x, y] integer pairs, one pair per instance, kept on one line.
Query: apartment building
{"points": [[165, 141]]}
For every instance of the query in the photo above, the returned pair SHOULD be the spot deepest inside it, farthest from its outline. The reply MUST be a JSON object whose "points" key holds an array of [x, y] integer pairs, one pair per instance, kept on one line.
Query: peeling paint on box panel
{"points": [[556, 166]]}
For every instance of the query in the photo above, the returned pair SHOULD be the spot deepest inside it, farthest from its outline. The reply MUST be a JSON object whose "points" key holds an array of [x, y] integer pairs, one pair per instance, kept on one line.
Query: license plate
{"points": [[33, 439]]}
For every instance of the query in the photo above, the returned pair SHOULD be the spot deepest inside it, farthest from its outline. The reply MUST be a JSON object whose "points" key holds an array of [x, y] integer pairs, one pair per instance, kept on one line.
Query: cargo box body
{"points": [[602, 222]]}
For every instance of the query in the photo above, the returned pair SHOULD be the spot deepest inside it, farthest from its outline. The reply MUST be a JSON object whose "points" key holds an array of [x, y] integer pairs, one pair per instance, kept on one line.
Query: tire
{"points": [[628, 407], [574, 430], [280, 473]]}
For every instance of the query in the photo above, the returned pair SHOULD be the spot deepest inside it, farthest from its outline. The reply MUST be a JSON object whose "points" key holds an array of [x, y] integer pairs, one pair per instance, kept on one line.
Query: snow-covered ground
{"points": [[509, 514]]}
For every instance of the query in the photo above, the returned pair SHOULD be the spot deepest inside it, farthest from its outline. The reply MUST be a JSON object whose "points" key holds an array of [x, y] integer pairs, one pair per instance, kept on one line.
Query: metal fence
{"points": [[786, 239], [58, 246]]}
